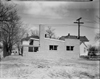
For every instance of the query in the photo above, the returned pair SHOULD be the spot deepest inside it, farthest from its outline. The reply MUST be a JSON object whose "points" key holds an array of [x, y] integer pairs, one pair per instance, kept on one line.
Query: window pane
{"points": [[35, 49], [31, 42], [67, 47], [55, 47], [72, 47], [30, 49], [51, 47]]}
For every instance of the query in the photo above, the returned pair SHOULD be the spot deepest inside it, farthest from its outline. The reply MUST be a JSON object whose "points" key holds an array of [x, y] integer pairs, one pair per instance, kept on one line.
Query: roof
{"points": [[27, 38], [82, 38]]}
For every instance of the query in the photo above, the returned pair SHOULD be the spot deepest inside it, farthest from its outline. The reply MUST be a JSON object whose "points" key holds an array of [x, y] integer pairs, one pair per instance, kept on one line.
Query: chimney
{"points": [[42, 36], [41, 32]]}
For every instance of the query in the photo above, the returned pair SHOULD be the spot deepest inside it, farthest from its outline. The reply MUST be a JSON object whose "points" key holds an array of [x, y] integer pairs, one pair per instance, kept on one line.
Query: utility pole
{"points": [[78, 22]]}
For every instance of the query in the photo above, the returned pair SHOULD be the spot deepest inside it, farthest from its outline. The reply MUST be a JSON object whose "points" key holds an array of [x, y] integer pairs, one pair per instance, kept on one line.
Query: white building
{"points": [[66, 46], [1, 50]]}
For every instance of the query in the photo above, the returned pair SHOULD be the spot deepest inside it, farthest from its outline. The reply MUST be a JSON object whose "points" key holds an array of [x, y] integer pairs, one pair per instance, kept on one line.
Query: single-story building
{"points": [[65, 46]]}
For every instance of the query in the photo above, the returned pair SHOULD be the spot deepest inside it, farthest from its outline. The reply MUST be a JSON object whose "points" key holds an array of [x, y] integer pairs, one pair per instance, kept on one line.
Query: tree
{"points": [[50, 32], [10, 27], [34, 32], [97, 38], [92, 51], [17, 39]]}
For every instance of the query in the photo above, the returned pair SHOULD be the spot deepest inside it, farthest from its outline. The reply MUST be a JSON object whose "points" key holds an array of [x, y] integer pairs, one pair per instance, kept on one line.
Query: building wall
{"points": [[61, 51], [25, 42], [25, 47], [83, 50], [48, 41], [36, 43], [76, 49], [42, 36], [1, 50], [25, 51], [1, 53]]}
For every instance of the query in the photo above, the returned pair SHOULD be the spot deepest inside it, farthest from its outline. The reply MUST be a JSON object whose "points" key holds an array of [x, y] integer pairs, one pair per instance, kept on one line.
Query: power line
{"points": [[67, 25]]}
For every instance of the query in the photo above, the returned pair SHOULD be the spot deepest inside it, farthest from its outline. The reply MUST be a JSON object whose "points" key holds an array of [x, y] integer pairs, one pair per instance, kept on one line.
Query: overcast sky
{"points": [[61, 16]]}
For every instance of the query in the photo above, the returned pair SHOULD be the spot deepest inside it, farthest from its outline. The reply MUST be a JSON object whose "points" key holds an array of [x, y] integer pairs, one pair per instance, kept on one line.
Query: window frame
{"points": [[70, 48], [53, 47], [30, 49], [36, 49], [31, 42]]}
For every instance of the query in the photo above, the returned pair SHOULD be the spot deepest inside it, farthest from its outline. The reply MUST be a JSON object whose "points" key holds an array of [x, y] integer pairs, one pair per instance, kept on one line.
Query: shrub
{"points": [[92, 51]]}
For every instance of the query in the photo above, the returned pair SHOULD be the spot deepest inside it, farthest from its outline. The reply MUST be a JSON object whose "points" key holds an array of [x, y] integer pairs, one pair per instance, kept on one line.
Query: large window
{"points": [[30, 49], [35, 49], [31, 42], [53, 47], [69, 48]]}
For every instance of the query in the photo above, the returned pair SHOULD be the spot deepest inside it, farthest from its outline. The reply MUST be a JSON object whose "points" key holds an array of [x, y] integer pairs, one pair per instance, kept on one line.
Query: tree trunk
{"points": [[6, 49], [10, 49], [5, 53]]}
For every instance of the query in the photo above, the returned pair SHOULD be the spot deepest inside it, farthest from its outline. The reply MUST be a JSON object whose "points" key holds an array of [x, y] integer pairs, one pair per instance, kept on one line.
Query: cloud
{"points": [[40, 9], [43, 9], [53, 9]]}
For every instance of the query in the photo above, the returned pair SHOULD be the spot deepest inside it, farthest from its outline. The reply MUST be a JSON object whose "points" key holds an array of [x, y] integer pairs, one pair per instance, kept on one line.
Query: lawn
{"points": [[18, 67]]}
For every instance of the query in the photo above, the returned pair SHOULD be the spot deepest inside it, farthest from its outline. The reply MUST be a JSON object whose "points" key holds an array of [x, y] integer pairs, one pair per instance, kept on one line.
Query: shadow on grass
{"points": [[87, 75], [95, 58]]}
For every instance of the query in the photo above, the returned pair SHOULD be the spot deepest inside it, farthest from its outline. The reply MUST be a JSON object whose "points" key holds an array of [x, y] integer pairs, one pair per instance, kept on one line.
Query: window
{"points": [[69, 48], [72, 48], [53, 47], [35, 49], [31, 42], [30, 49]]}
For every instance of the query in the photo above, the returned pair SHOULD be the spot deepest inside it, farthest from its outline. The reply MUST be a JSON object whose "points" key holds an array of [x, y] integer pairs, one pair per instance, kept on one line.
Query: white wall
{"points": [[83, 50], [36, 43], [76, 44], [61, 52], [25, 42], [25, 51], [42, 36], [1, 53]]}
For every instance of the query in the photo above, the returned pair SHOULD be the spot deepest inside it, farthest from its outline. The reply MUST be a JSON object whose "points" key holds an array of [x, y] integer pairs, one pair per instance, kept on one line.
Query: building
{"points": [[1, 50], [65, 46]]}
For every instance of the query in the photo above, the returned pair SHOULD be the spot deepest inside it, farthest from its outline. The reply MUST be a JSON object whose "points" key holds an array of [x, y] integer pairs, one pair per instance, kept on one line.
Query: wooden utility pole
{"points": [[78, 22]]}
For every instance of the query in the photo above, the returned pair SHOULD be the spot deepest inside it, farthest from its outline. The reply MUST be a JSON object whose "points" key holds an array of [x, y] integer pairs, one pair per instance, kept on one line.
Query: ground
{"points": [[19, 67]]}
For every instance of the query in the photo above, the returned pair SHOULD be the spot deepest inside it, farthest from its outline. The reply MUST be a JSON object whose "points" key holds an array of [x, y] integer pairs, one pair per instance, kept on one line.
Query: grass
{"points": [[17, 67]]}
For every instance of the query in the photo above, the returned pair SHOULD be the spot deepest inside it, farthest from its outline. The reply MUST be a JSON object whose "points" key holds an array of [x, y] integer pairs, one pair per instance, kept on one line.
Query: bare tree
{"points": [[35, 32], [10, 27], [97, 38], [18, 38], [50, 32]]}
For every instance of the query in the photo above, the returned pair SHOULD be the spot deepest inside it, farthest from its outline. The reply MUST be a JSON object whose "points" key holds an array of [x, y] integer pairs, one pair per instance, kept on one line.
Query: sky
{"points": [[60, 15]]}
